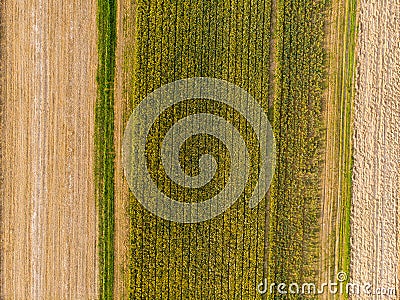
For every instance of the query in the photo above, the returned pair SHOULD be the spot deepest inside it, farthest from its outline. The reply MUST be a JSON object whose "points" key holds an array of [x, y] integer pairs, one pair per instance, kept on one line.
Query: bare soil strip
{"points": [[330, 178], [49, 220], [375, 246], [126, 33]]}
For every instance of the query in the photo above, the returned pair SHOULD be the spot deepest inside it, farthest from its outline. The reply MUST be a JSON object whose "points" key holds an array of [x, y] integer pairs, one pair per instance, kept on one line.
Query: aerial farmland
{"points": [[199, 149]]}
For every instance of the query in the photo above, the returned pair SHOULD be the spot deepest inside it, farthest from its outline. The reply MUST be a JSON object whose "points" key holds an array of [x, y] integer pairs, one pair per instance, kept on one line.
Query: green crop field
{"points": [[104, 143], [228, 256], [295, 192], [222, 258]]}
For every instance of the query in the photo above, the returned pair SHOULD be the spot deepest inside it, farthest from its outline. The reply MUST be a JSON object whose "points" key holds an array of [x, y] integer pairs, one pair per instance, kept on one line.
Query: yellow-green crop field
{"points": [[228, 256]]}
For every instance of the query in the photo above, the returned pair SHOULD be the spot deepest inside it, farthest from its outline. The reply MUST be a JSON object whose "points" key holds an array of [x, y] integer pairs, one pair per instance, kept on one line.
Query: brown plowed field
{"points": [[376, 184]]}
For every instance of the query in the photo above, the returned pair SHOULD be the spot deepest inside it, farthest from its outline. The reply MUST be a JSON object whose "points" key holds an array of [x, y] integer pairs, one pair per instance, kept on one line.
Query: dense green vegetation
{"points": [[221, 258], [295, 192], [231, 41], [104, 143]]}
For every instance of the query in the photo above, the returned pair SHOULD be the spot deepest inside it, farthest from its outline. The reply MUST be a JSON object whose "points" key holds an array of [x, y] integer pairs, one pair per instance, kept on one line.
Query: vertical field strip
{"points": [[220, 258], [298, 127], [104, 142]]}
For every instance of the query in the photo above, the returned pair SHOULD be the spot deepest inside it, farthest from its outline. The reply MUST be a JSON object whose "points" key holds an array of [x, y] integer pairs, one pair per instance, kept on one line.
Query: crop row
{"points": [[104, 143], [295, 191], [224, 257]]}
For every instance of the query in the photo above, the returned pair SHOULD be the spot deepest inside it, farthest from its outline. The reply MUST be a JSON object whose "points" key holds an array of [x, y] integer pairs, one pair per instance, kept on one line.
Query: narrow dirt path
{"points": [[49, 219], [376, 181], [330, 177], [126, 33]]}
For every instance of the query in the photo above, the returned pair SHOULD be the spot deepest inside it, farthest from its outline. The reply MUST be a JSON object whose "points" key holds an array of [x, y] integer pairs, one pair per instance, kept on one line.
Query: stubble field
{"points": [[49, 217]]}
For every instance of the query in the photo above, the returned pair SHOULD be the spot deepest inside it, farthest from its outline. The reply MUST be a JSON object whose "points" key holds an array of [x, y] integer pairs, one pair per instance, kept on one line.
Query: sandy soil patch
{"points": [[375, 246], [49, 220]]}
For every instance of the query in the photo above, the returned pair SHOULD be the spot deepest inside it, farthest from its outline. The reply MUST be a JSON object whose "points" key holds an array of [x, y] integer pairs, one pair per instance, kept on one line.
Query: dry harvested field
{"points": [[49, 219], [375, 247]]}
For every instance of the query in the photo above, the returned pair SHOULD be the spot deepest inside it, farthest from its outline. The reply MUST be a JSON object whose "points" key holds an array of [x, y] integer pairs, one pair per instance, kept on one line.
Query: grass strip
{"points": [[348, 69], [104, 142]]}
